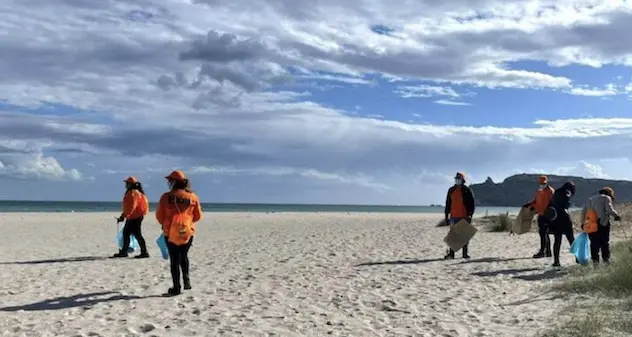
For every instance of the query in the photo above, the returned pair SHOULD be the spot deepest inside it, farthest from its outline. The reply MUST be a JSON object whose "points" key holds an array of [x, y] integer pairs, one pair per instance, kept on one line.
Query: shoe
{"points": [[172, 292], [556, 264], [187, 285], [449, 257], [548, 254], [120, 254], [142, 256], [539, 255], [465, 256]]}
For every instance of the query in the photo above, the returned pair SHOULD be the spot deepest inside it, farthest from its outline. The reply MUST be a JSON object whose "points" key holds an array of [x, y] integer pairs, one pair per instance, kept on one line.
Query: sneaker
{"points": [[465, 256], [142, 256], [539, 255], [187, 286], [120, 254], [548, 254], [556, 264]]}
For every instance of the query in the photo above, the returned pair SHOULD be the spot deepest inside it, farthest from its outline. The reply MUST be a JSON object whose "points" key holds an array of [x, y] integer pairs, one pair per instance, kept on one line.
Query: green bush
{"points": [[499, 223]]}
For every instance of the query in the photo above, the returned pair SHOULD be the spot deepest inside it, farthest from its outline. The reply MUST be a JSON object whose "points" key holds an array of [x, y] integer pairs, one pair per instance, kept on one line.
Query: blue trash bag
{"points": [[133, 244], [162, 244], [581, 248]]}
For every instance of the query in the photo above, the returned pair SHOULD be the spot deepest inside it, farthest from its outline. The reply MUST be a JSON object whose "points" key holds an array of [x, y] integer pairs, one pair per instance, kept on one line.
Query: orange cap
{"points": [[131, 180], [176, 175], [460, 175], [543, 179]]}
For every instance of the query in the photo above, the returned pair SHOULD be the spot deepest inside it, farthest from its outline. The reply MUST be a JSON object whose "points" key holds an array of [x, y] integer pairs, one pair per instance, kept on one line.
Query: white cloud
{"points": [[584, 169], [198, 83]]}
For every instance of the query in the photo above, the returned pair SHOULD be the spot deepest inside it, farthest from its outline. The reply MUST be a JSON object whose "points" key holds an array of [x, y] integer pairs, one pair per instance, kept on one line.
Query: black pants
{"points": [[543, 229], [132, 227], [563, 226], [179, 260], [600, 241], [463, 250]]}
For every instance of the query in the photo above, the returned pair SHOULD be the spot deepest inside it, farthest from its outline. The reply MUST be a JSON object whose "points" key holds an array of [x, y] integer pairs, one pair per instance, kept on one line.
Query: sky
{"points": [[357, 102]]}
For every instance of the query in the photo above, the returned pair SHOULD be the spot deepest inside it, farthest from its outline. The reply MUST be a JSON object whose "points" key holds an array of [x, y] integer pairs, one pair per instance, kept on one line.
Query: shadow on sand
{"points": [[546, 275], [60, 260], [79, 300], [537, 298], [398, 262], [512, 271], [494, 259]]}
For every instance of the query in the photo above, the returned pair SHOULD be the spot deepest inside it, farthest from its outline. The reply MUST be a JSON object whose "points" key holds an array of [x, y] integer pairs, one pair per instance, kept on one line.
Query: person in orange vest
{"points": [[539, 204], [459, 204], [178, 211], [135, 207], [601, 205]]}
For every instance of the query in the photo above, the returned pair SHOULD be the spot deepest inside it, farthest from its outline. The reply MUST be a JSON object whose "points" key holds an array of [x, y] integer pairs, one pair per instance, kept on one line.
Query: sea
{"points": [[7, 206]]}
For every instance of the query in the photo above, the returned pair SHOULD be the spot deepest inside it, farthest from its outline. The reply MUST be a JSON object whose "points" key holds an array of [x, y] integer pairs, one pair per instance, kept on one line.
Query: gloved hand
{"points": [[468, 219], [527, 205], [532, 208], [617, 218], [120, 219]]}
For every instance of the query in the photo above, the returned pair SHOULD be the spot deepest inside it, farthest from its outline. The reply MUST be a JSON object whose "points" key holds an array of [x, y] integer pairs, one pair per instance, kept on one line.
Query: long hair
{"points": [[182, 185], [137, 186]]}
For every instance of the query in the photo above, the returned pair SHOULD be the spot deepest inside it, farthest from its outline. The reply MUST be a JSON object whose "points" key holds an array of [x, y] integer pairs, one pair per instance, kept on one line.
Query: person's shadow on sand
{"points": [[59, 260], [79, 300]]}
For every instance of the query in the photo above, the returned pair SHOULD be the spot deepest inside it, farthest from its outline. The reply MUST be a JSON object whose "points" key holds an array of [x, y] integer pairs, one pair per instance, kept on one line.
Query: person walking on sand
{"points": [[599, 209], [560, 223], [178, 211], [135, 207], [459, 205], [539, 204]]}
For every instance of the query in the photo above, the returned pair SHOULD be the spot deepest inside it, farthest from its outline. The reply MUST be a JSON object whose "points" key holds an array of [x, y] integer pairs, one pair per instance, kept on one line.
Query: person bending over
{"points": [[459, 205], [600, 205], [177, 212], [539, 204], [559, 220], [135, 207]]}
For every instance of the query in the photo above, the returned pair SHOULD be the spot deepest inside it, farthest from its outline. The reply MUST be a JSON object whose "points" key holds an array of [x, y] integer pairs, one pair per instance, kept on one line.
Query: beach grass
{"points": [[600, 296]]}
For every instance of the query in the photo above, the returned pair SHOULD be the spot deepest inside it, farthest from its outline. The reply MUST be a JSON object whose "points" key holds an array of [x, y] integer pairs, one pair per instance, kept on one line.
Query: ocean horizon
{"points": [[13, 206]]}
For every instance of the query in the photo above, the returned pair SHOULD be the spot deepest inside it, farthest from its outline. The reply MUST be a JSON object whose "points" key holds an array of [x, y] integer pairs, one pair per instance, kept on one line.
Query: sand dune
{"points": [[272, 275]]}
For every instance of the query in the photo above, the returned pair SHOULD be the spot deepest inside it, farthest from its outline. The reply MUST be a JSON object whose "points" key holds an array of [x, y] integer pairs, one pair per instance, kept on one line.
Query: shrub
{"points": [[499, 223]]}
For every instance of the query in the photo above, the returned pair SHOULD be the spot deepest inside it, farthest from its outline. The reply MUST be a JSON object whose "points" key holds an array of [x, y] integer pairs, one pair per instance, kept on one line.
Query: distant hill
{"points": [[520, 188]]}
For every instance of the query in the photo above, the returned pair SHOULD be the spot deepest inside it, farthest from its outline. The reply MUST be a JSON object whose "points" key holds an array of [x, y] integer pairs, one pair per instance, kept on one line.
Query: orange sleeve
{"points": [[129, 203], [197, 210], [161, 213]]}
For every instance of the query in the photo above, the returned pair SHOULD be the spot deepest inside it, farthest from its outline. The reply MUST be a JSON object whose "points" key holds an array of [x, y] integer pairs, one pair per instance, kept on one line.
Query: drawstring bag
{"points": [[133, 244], [181, 228], [581, 248], [162, 245]]}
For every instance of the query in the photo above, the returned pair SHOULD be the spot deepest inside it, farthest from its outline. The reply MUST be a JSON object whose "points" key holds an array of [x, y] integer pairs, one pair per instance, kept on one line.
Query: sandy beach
{"points": [[280, 274]]}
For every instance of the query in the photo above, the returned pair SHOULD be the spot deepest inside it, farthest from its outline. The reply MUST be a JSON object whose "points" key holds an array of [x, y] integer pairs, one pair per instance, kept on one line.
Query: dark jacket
{"points": [[468, 200], [556, 214], [561, 199]]}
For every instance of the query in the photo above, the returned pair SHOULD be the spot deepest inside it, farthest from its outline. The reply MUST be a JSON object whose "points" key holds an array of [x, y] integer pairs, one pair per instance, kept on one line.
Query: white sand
{"points": [[272, 275]]}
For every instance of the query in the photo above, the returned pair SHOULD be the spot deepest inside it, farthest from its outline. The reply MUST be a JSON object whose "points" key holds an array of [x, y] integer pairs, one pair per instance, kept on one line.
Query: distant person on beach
{"points": [[539, 204], [177, 212], [459, 205], [135, 207], [560, 223], [599, 209]]}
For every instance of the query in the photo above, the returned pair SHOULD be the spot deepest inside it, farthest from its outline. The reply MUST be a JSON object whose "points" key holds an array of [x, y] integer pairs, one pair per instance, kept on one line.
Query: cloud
{"points": [[205, 84]]}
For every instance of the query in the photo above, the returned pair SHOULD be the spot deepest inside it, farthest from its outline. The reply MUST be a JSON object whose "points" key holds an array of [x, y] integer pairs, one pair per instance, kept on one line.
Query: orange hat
{"points": [[131, 180], [460, 175], [543, 179], [176, 175]]}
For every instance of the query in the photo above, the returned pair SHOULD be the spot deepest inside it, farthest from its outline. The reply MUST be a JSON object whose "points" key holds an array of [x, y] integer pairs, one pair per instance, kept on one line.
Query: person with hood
{"points": [[459, 205], [601, 205], [178, 211], [539, 204], [560, 223], [135, 207]]}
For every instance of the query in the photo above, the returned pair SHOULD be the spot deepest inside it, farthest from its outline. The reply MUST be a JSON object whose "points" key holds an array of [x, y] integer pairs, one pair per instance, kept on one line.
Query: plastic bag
{"points": [[581, 248], [133, 244], [162, 244]]}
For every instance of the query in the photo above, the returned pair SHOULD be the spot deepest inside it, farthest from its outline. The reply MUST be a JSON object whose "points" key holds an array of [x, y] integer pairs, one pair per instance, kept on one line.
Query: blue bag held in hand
{"points": [[162, 244], [581, 248], [133, 244]]}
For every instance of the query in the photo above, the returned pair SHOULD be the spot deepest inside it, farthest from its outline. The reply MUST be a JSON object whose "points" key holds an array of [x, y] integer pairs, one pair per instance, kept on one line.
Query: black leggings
{"points": [[179, 260], [562, 227], [132, 227]]}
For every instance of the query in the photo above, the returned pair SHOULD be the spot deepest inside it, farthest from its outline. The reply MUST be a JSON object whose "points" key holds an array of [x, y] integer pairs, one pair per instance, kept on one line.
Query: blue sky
{"points": [[309, 102]]}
